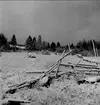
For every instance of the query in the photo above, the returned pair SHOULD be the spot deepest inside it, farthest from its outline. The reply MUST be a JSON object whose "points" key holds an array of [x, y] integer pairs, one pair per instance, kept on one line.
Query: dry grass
{"points": [[60, 92], [65, 92]]}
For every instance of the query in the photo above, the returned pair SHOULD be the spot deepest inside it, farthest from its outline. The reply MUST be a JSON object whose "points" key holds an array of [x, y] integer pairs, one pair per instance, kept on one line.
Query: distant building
{"points": [[17, 47], [20, 47]]}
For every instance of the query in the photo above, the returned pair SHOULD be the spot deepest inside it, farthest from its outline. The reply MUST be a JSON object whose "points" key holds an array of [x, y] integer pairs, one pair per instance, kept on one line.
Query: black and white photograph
{"points": [[50, 52]]}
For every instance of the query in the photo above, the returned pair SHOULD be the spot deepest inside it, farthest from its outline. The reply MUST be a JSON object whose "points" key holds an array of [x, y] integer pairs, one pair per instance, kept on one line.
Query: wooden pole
{"points": [[57, 63], [96, 52], [60, 63], [94, 48], [96, 55], [52, 68], [69, 47], [37, 80], [76, 65]]}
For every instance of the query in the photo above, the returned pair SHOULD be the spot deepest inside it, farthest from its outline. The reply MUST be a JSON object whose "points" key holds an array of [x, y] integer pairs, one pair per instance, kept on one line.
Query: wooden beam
{"points": [[31, 72], [94, 48], [96, 52], [80, 66], [56, 63], [13, 101], [18, 100], [60, 63], [35, 82], [69, 47], [87, 65], [89, 61]]}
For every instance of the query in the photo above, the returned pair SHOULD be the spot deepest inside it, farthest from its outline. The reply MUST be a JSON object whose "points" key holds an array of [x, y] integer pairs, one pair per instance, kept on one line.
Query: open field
{"points": [[21, 61], [13, 68]]}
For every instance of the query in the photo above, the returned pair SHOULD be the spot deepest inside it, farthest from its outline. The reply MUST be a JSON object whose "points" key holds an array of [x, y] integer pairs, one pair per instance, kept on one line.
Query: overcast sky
{"points": [[63, 21]]}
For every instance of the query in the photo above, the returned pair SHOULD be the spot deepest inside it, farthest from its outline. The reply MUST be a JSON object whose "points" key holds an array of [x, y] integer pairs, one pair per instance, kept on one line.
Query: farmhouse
{"points": [[17, 47]]}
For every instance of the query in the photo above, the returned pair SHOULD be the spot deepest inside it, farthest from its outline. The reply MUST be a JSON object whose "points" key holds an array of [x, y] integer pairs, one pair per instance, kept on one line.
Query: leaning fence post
{"points": [[94, 48], [69, 47], [59, 63]]}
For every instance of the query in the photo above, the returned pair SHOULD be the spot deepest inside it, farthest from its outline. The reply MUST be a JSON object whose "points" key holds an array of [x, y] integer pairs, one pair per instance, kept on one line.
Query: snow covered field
{"points": [[20, 60], [62, 92]]}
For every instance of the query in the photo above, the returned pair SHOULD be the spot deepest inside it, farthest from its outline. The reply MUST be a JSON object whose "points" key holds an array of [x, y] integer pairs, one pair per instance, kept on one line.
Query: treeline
{"points": [[33, 44], [88, 45], [5, 44], [37, 44]]}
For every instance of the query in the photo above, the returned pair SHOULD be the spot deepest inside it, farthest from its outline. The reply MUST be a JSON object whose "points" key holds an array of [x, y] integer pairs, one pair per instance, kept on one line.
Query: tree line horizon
{"points": [[37, 44]]}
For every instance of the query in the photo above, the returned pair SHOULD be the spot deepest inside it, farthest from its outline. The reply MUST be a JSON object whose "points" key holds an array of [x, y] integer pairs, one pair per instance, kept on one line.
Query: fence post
{"points": [[94, 48]]}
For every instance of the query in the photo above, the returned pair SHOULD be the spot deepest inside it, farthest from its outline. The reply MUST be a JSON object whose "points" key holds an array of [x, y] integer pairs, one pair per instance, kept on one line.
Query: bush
{"points": [[59, 50], [76, 51], [87, 53], [46, 52]]}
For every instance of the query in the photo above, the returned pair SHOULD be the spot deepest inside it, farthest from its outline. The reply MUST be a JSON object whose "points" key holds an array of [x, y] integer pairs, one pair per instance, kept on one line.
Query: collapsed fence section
{"points": [[55, 72]]}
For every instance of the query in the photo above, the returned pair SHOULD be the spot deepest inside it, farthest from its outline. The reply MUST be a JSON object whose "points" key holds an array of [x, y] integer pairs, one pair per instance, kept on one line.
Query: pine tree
{"points": [[29, 43], [13, 40], [58, 44], [44, 45], [53, 46], [72, 46], [39, 43], [79, 46], [3, 42], [48, 45], [34, 43], [89, 45], [3, 39]]}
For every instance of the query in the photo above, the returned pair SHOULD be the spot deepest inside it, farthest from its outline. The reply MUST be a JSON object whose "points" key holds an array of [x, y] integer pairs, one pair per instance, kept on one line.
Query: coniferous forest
{"points": [[37, 44]]}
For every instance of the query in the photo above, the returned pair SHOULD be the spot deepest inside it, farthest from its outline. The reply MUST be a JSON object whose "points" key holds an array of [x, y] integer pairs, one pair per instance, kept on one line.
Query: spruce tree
{"points": [[44, 45], [53, 46], [58, 44], [29, 43], [3, 39], [34, 43], [48, 45], [13, 40], [39, 43], [3, 42]]}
